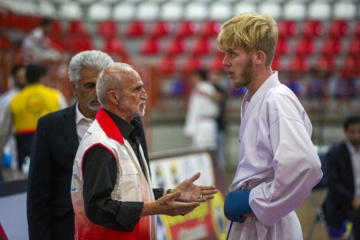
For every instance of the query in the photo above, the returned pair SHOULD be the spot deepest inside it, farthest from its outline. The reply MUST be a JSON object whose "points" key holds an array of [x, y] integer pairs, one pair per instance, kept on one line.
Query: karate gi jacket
{"points": [[277, 160], [200, 122]]}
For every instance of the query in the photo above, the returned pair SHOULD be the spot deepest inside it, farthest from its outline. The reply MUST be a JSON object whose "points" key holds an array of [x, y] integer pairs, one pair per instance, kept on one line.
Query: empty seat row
{"points": [[348, 66], [175, 46], [317, 28], [328, 46], [192, 10]]}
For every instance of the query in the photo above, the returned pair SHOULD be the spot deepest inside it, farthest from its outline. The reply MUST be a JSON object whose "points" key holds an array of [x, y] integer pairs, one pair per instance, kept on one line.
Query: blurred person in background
{"points": [[278, 163], [215, 76], [343, 172], [319, 89], [37, 47], [26, 107], [49, 209], [111, 187], [203, 109], [18, 82], [346, 91]]}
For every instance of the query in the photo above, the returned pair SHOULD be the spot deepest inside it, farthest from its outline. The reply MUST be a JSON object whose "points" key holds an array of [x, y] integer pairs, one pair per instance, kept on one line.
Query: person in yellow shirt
{"points": [[24, 110]]}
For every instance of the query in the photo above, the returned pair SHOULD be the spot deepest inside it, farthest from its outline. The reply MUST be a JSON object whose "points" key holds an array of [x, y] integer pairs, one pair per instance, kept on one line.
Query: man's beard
{"points": [[246, 76], [144, 107]]}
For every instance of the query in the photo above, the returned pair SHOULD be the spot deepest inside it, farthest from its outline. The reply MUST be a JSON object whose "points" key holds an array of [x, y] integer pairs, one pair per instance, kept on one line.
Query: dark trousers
{"points": [[64, 227], [24, 144], [354, 216]]}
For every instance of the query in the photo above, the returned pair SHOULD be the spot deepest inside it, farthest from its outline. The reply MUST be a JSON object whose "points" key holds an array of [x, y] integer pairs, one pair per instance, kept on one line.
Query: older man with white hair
{"points": [[111, 187]]}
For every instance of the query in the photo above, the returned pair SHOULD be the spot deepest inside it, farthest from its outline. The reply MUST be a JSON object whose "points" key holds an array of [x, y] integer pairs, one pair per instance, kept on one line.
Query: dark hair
{"points": [[351, 120], [15, 69], [46, 22], [34, 72], [202, 74]]}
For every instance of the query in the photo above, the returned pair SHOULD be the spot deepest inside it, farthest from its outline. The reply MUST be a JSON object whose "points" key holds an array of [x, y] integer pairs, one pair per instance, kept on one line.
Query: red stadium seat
{"points": [[188, 28], [354, 47], [325, 63], [77, 28], [287, 28], [135, 29], [338, 28], [211, 28], [313, 28], [331, 46], [59, 43], [5, 19], [276, 64], [305, 47], [201, 46], [150, 46], [192, 63], [298, 65], [79, 44], [350, 67], [114, 46], [167, 65], [282, 47], [162, 28], [107, 29], [357, 29], [57, 28], [30, 22], [220, 54], [216, 63], [24, 22], [176, 46], [4, 43]]}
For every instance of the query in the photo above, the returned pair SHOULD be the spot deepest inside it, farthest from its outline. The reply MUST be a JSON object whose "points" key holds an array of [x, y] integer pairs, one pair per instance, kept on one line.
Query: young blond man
{"points": [[278, 163]]}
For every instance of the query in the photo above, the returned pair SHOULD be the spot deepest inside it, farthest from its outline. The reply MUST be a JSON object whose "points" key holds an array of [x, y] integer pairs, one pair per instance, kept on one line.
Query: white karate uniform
{"points": [[278, 161], [200, 122]]}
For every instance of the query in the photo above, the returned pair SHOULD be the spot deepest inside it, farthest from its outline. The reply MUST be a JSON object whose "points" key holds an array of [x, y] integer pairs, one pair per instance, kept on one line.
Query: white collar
{"points": [[351, 148], [79, 116]]}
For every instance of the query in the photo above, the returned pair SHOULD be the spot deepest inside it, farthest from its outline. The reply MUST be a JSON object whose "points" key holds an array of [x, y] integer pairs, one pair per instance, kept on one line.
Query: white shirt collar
{"points": [[351, 148], [79, 116]]}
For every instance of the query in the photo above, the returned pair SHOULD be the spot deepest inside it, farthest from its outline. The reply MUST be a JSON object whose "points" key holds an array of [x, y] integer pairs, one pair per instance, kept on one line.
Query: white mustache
{"points": [[142, 102]]}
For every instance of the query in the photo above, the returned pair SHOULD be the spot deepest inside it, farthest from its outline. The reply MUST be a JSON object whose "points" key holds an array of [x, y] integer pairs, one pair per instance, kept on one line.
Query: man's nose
{"points": [[144, 94], [225, 61]]}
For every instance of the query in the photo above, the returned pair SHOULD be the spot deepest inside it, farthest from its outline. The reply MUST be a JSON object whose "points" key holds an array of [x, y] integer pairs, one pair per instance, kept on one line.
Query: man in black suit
{"points": [[343, 169], [49, 208]]}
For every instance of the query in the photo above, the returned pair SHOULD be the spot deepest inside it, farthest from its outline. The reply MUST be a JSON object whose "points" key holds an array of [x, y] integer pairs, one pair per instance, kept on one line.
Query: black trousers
{"points": [[354, 216], [24, 144]]}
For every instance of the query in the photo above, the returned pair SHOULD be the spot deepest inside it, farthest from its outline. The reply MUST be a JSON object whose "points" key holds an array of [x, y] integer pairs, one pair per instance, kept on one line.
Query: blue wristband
{"points": [[237, 204]]}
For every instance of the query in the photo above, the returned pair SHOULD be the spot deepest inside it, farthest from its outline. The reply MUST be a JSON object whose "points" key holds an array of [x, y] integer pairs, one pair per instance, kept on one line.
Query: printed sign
{"points": [[207, 221]]}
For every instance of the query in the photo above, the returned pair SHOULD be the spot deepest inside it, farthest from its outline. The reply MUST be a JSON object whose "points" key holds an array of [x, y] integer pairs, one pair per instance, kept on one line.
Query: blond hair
{"points": [[251, 32]]}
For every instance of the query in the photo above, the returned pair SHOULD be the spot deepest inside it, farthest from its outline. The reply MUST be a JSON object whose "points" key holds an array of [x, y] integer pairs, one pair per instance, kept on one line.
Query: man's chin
{"points": [[236, 86], [95, 108]]}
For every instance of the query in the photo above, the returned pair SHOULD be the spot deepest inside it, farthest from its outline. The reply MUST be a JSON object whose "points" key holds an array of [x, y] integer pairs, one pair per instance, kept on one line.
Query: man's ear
{"points": [[260, 57], [113, 97], [73, 87]]}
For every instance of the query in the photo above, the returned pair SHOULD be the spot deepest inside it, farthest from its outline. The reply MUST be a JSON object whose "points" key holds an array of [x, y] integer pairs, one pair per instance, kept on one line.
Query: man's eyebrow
{"points": [[138, 86]]}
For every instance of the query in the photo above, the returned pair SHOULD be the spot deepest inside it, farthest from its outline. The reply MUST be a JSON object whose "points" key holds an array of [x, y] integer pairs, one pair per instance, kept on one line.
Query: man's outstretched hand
{"points": [[167, 205], [189, 192]]}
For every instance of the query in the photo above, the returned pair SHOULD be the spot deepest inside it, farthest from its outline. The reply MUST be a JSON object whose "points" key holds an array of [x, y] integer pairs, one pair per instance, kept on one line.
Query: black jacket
{"points": [[341, 185], [49, 208]]}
